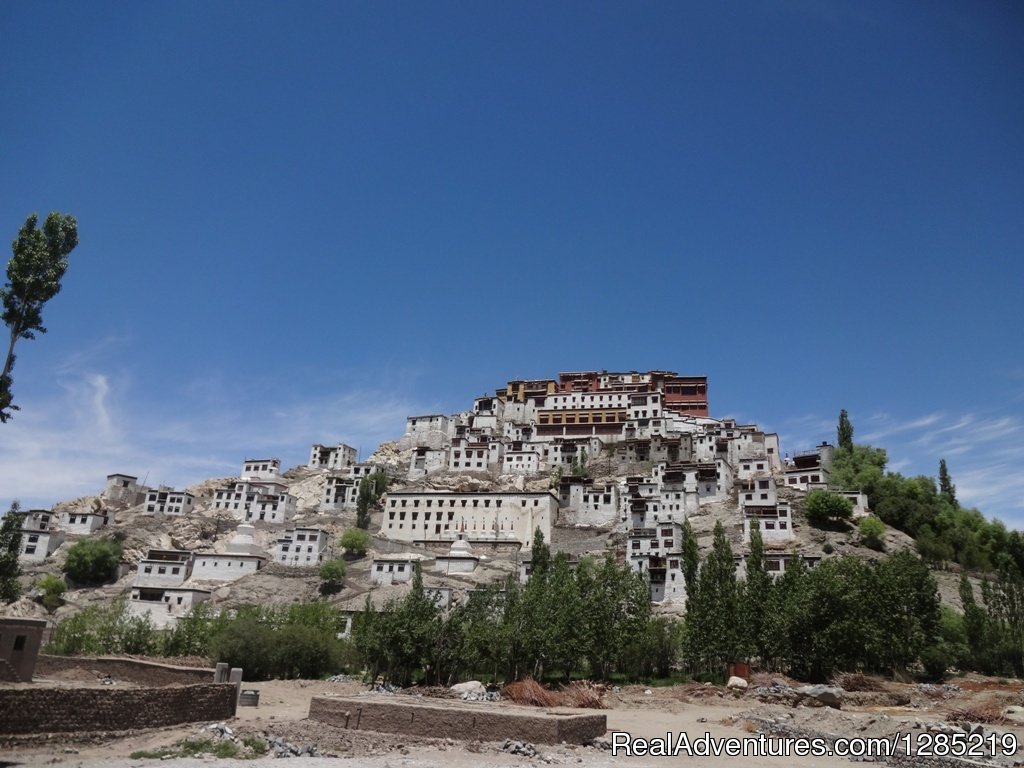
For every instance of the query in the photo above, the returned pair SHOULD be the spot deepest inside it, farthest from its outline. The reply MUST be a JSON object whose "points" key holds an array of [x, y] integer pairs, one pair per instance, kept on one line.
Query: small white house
{"points": [[162, 568], [84, 523], [775, 523], [242, 557], [261, 469], [37, 543], [124, 489], [167, 501], [164, 606], [340, 492], [225, 566], [266, 500], [393, 569], [331, 456], [302, 547]]}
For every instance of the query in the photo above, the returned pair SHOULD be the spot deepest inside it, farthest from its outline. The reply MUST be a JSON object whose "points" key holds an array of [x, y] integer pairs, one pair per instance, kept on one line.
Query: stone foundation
{"points": [[457, 719]]}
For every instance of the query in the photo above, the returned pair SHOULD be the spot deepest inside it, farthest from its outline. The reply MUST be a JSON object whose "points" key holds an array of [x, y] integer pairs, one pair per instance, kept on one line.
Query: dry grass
{"points": [[584, 694], [856, 681], [531, 693], [989, 713]]}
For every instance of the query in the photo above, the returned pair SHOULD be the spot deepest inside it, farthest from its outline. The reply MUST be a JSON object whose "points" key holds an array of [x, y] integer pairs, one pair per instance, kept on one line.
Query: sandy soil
{"points": [[646, 713]]}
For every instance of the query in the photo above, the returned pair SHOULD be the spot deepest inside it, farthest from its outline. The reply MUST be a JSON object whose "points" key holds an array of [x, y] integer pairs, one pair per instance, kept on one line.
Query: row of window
{"points": [[451, 502]]}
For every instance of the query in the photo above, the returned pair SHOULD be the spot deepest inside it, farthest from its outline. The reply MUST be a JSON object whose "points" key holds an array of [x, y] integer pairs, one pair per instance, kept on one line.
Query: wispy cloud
{"points": [[93, 423], [984, 451]]}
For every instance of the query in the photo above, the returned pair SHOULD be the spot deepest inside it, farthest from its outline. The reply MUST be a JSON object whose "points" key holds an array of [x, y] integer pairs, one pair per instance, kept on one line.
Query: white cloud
{"points": [[63, 444]]}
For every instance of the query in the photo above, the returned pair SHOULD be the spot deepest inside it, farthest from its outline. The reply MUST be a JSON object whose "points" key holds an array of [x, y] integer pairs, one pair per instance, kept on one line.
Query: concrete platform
{"points": [[446, 718]]}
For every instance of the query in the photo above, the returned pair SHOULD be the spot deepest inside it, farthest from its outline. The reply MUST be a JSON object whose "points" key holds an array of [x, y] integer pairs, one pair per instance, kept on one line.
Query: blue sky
{"points": [[301, 222]]}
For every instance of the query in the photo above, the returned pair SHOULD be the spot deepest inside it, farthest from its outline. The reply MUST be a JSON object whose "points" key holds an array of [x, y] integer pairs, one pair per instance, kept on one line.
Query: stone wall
{"points": [[457, 719], [145, 673], [61, 710]]}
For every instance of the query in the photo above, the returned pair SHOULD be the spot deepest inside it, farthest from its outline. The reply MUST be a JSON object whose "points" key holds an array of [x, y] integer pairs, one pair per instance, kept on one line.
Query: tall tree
{"points": [[845, 431], [33, 278], [756, 593], [10, 547], [371, 488], [946, 488], [713, 613]]}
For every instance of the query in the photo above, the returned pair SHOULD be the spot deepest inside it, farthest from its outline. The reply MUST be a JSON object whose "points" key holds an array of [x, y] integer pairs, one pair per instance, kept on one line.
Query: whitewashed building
{"points": [[332, 457], [84, 523], [492, 517], [40, 537], [393, 569], [261, 469], [266, 500], [302, 547], [163, 606], [340, 492], [167, 501], [164, 568], [124, 489], [775, 523], [241, 557]]}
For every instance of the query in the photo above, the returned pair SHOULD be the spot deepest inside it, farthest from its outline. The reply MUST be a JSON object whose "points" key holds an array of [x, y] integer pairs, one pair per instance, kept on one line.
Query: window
{"points": [[19, 642]]}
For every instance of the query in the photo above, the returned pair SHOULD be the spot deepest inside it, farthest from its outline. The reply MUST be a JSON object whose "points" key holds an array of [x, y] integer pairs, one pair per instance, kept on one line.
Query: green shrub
{"points": [[53, 587], [824, 507], [332, 576], [355, 541], [97, 631], [93, 561], [871, 531]]}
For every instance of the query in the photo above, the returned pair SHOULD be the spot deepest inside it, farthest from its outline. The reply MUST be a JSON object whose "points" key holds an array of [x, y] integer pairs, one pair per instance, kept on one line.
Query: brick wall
{"points": [[146, 673], [53, 710]]}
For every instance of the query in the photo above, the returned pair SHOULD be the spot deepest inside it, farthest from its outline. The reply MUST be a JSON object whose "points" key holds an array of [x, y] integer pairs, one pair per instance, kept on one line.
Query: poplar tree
{"points": [[756, 593], [10, 547], [946, 488], [33, 278], [844, 433]]}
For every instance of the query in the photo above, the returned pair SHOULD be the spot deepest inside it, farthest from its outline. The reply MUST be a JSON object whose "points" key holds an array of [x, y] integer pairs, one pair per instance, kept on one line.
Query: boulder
{"points": [[824, 695], [471, 686], [737, 683]]}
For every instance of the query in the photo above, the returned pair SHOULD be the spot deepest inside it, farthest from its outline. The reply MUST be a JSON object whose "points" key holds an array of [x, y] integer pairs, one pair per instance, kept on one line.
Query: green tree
{"points": [[34, 274], [355, 541], [691, 558], [332, 576], [371, 488], [53, 587], [844, 433], [946, 488], [93, 561], [755, 599], [871, 531], [823, 507], [10, 548], [713, 631]]}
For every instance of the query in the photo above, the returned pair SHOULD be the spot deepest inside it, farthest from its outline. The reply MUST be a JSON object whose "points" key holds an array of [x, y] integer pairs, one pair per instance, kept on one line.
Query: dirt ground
{"points": [[642, 712]]}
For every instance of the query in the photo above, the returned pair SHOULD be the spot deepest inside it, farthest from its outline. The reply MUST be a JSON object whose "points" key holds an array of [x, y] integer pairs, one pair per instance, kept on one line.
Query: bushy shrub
{"points": [[825, 507], [332, 576], [93, 561], [871, 531], [355, 541], [53, 587]]}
